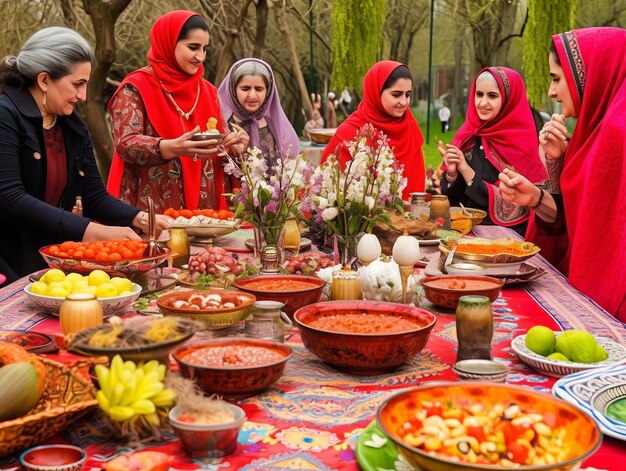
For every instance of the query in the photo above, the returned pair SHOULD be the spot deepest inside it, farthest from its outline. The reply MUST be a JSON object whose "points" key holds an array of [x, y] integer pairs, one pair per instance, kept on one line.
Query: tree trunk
{"points": [[261, 28], [69, 14], [103, 17], [295, 61], [224, 59], [459, 81]]}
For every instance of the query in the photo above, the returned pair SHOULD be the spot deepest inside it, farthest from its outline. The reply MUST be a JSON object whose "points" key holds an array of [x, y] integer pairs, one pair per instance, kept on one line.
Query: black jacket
{"points": [[27, 222]]}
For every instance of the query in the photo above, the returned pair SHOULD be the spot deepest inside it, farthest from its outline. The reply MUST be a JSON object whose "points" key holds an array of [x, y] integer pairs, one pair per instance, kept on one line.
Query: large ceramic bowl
{"points": [[132, 349], [548, 366], [217, 309], [385, 347], [208, 440], [294, 291], [446, 290], [489, 250], [234, 367], [109, 305], [321, 135], [403, 411], [126, 268]]}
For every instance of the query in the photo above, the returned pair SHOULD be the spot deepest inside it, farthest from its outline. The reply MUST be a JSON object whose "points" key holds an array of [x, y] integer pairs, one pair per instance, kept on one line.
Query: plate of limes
{"points": [[553, 357]]}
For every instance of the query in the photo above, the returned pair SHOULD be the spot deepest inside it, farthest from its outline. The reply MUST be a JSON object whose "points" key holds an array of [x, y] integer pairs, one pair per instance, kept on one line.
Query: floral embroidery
{"points": [[505, 80], [575, 60]]}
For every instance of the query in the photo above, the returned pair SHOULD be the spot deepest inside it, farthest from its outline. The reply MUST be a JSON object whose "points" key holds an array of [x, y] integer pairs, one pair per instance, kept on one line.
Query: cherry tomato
{"points": [[435, 409], [186, 213], [516, 452]]}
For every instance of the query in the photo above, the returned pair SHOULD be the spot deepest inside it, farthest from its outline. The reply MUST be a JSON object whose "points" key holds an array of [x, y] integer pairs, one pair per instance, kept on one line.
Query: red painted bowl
{"points": [[208, 440], [53, 458], [385, 347], [400, 418], [446, 290], [234, 367], [294, 291]]}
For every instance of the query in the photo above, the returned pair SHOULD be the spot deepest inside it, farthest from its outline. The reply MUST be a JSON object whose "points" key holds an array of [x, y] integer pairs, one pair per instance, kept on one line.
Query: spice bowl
{"points": [[481, 370], [201, 440], [53, 458]]}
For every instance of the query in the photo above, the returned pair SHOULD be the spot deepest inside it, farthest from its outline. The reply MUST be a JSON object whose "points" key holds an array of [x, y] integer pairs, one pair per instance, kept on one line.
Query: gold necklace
{"points": [[178, 108], [51, 125]]}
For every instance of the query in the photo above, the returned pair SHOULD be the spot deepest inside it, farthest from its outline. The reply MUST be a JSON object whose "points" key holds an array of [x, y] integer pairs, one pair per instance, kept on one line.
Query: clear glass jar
{"points": [[291, 241], [439, 207], [419, 205], [267, 321], [346, 285], [474, 328]]}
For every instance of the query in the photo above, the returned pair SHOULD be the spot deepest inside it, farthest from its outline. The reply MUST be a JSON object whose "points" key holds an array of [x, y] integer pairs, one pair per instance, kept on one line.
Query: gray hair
{"points": [[56, 50], [253, 68], [486, 76]]}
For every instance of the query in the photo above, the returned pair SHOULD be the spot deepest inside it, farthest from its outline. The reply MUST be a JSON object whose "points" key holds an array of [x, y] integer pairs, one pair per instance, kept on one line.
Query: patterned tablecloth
{"points": [[311, 418]]}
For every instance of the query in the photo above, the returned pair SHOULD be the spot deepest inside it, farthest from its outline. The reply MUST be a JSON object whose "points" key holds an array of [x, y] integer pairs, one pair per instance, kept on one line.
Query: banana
{"points": [[130, 389], [121, 413], [149, 367], [104, 379], [152, 419], [161, 369], [130, 366], [148, 390], [103, 401], [143, 407], [116, 368], [164, 398], [116, 395]]}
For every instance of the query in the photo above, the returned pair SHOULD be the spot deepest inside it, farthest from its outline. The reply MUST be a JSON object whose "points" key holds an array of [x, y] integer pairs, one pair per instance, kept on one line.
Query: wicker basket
{"points": [[66, 397]]}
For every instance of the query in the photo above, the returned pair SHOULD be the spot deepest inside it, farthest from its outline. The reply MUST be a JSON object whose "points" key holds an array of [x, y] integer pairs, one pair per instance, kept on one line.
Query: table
{"points": [[312, 417], [312, 151]]}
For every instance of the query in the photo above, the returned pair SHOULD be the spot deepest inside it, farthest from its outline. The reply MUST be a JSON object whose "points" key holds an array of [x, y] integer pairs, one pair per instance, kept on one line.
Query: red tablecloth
{"points": [[312, 417]]}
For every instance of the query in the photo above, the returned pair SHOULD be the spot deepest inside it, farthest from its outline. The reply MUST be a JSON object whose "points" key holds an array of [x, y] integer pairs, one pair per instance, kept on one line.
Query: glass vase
{"points": [[268, 247], [345, 250]]}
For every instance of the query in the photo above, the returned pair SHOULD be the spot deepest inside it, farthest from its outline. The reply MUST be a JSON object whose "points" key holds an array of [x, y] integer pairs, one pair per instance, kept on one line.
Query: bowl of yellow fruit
{"points": [[114, 293], [563, 353]]}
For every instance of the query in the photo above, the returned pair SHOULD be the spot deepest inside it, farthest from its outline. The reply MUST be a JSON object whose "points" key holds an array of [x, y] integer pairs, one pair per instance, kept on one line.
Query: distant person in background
{"points": [[249, 98], [444, 117], [499, 132], [581, 228], [387, 90], [331, 116], [316, 122]]}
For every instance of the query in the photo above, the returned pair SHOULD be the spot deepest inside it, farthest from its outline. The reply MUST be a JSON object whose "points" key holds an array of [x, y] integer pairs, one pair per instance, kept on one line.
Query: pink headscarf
{"points": [[593, 181]]}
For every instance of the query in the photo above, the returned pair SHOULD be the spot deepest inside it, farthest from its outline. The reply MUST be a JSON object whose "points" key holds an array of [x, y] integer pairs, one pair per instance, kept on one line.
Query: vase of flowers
{"points": [[349, 200], [269, 195]]}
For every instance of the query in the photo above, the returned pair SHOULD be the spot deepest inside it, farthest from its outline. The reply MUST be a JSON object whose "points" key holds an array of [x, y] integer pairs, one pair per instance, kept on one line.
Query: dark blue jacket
{"points": [[27, 222]]}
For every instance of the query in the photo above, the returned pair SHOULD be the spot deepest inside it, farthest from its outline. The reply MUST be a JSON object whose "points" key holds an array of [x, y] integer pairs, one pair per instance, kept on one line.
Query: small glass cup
{"points": [[346, 285]]}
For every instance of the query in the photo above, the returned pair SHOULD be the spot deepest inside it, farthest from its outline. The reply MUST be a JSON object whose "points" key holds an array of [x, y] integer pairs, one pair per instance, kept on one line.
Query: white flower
{"points": [[321, 202], [369, 201], [330, 213]]}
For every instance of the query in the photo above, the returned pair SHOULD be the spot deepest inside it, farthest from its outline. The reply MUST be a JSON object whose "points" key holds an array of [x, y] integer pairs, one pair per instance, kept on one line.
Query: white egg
{"points": [[368, 248], [228, 305], [180, 303], [406, 250]]}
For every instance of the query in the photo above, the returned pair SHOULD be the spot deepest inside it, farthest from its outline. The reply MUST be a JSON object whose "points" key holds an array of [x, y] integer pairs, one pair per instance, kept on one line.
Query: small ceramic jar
{"points": [[267, 321], [180, 246], [439, 207], [80, 311]]}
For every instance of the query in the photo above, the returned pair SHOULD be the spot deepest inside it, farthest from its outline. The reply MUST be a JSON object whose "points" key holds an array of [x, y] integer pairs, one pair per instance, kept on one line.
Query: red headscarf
{"points": [[164, 77], [593, 180], [405, 136]]}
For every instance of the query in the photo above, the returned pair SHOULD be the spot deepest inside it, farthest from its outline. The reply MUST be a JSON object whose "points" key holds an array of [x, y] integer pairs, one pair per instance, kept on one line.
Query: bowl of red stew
{"points": [[294, 291], [446, 290], [364, 337], [234, 367], [217, 309], [487, 426]]}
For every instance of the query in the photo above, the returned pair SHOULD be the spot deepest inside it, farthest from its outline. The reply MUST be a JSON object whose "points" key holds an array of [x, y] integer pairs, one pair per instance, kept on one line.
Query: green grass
{"points": [[431, 155]]}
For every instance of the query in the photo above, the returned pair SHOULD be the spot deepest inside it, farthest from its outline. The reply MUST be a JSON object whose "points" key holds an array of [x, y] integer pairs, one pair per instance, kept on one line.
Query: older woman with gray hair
{"points": [[46, 155], [249, 98]]}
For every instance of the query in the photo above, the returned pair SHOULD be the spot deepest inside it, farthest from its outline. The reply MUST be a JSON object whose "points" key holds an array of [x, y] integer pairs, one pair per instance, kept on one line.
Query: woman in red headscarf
{"points": [[155, 112], [386, 97], [589, 80], [499, 132]]}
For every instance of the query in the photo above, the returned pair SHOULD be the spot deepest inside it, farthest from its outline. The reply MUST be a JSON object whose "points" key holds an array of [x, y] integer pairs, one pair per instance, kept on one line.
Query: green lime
{"points": [[577, 345], [601, 354], [540, 340], [558, 357]]}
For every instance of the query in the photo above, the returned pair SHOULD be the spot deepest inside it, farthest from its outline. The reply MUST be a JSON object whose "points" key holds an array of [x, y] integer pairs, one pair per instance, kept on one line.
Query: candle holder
{"points": [[368, 249], [406, 251]]}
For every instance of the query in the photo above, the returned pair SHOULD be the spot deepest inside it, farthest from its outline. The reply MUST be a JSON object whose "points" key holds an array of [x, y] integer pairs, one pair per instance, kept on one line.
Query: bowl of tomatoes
{"points": [[116, 257]]}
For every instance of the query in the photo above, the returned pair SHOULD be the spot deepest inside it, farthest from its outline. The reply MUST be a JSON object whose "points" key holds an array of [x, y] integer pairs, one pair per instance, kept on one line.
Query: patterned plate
{"points": [[584, 389], [34, 342], [617, 355], [375, 452]]}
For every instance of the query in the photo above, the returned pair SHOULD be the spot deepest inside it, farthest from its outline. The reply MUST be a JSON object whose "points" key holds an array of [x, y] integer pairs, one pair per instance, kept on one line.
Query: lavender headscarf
{"points": [[284, 135]]}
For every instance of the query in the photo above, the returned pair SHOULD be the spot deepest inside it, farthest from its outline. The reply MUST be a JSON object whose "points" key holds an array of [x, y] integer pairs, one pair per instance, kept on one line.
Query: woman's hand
{"points": [[237, 140], [553, 137], [183, 145], [516, 188], [161, 222], [95, 232]]}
